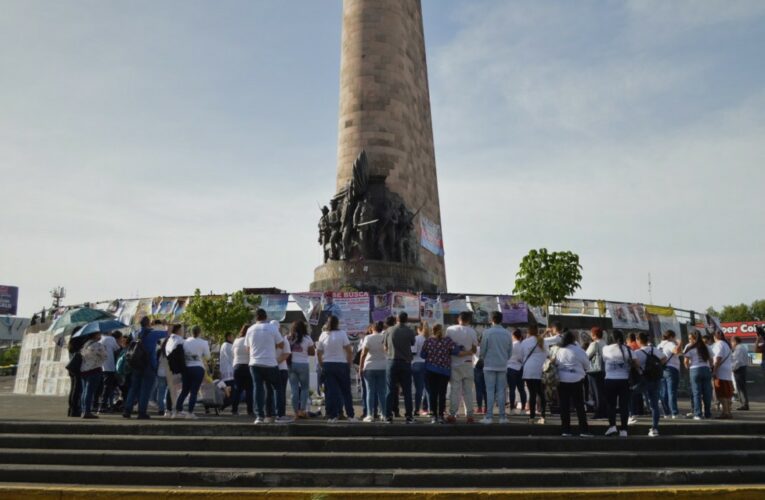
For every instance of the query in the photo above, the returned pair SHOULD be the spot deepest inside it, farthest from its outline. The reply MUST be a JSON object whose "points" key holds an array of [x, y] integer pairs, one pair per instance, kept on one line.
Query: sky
{"points": [[151, 148]]}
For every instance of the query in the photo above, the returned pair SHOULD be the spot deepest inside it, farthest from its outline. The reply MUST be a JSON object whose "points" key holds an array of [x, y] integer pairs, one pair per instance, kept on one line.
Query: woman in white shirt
{"points": [[335, 354], [697, 360], [514, 373], [740, 359], [373, 365], [668, 394], [302, 348], [534, 357], [722, 373], [572, 364], [649, 386], [242, 375], [196, 352], [617, 360], [280, 391], [418, 371]]}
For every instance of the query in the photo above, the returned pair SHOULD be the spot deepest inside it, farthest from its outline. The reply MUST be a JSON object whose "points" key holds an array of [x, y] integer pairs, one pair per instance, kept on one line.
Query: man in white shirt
{"points": [[263, 339], [553, 336], [462, 377], [740, 359], [722, 373], [109, 376], [226, 361]]}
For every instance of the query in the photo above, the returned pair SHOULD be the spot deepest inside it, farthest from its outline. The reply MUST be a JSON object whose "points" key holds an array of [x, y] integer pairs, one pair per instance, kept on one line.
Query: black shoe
{"points": [[388, 421], [409, 420], [126, 415], [743, 408], [89, 416], [143, 417]]}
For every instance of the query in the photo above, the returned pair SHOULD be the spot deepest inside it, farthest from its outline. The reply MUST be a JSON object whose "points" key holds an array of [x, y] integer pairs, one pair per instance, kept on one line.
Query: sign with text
{"points": [[9, 300]]}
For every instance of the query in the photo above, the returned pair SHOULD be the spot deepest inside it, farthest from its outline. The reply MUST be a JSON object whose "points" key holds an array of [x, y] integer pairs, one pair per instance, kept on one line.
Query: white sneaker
{"points": [[174, 414], [632, 421], [487, 420], [503, 420], [259, 421], [622, 434], [566, 435], [190, 416], [611, 431], [284, 419], [369, 418], [653, 433], [352, 420], [674, 417], [168, 414], [332, 421], [541, 421], [696, 417]]}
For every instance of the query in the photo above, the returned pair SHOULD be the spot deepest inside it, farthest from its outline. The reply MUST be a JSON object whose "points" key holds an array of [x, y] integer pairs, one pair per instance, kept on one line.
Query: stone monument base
{"points": [[372, 276]]}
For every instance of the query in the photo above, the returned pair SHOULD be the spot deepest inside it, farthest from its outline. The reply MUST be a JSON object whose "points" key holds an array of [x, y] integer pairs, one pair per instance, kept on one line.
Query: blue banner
{"points": [[9, 300]]}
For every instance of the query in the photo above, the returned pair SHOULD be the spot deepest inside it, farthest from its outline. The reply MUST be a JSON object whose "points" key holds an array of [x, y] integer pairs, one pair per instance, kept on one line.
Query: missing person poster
{"points": [[381, 306], [310, 304], [628, 316], [482, 307], [514, 311], [431, 310], [353, 309], [406, 302]]}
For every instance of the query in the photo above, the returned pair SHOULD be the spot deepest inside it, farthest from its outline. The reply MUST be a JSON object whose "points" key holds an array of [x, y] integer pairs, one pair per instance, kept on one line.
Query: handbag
{"points": [[75, 364], [634, 379]]}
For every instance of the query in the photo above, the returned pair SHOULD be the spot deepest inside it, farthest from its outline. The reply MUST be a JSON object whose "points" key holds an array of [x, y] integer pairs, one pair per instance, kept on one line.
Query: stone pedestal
{"points": [[372, 276]]}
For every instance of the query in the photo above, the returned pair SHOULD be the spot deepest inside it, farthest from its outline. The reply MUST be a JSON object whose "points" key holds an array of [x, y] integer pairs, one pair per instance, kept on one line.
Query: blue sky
{"points": [[150, 148]]}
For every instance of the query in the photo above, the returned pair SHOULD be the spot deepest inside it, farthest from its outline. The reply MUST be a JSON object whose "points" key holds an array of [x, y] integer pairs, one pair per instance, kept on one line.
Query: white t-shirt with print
{"points": [[262, 339], [572, 363], [721, 350], [332, 346], [696, 361], [668, 348], [376, 359], [617, 362], [466, 337], [300, 352], [195, 350]]}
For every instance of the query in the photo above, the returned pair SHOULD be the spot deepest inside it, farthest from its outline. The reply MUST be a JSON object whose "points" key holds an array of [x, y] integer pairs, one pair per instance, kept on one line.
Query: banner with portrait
{"points": [[662, 319], [452, 303], [430, 236], [351, 308], [381, 306], [482, 307], [514, 311], [431, 310], [310, 304], [628, 316], [406, 302], [540, 315], [127, 311]]}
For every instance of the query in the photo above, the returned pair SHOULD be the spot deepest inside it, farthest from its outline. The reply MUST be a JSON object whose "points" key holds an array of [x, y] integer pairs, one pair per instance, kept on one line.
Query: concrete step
{"points": [[111, 425], [391, 460], [304, 476], [452, 444]]}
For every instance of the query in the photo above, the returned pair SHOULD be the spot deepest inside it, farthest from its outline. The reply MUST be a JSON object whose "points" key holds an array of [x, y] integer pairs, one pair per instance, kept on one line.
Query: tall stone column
{"points": [[385, 109]]}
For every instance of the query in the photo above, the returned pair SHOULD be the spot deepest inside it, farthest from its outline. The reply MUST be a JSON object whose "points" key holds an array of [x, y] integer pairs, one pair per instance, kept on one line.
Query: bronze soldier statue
{"points": [[363, 224], [325, 232], [335, 228]]}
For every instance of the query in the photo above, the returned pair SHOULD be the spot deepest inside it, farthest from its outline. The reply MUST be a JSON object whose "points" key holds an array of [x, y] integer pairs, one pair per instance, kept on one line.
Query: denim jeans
{"points": [[192, 380], [376, 385], [281, 393], [572, 393], [740, 376], [480, 388], [108, 384], [399, 373], [242, 383], [701, 389], [669, 390], [299, 386], [265, 379], [495, 391], [160, 393], [420, 390], [141, 387], [596, 384], [337, 379], [89, 385], [651, 391], [515, 382]]}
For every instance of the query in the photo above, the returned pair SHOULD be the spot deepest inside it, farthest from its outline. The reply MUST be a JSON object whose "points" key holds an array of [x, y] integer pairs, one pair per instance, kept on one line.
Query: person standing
{"points": [[226, 362], [262, 340], [282, 355], [722, 371], [496, 346], [553, 337], [74, 345], [398, 342], [572, 364], [671, 376], [335, 354], [651, 381], [418, 371], [437, 352], [461, 378], [108, 374], [143, 377], [740, 361], [534, 357], [176, 365], [302, 348], [373, 368], [515, 373], [242, 375], [617, 361], [93, 356], [697, 360], [596, 375], [196, 352]]}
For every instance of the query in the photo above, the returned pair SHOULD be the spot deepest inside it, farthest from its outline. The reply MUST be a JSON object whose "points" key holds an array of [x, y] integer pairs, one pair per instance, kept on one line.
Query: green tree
{"points": [[757, 310], [733, 313], [546, 278], [219, 315]]}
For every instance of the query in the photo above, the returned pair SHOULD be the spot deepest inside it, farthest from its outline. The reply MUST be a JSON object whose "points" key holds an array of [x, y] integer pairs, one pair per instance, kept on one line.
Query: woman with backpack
{"points": [[534, 357], [572, 364], [196, 351], [671, 374], [617, 361], [651, 368], [697, 360], [302, 349]]}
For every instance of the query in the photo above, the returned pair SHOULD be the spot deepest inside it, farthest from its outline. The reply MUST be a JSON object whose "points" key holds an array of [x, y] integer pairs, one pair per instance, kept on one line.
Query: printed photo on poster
{"points": [[406, 302], [482, 306], [430, 310], [628, 316], [381, 306], [514, 311], [430, 236], [453, 303], [9, 300], [354, 312]]}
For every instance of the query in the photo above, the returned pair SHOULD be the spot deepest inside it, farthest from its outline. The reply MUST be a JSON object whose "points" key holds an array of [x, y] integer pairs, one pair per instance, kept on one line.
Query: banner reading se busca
{"points": [[9, 300]]}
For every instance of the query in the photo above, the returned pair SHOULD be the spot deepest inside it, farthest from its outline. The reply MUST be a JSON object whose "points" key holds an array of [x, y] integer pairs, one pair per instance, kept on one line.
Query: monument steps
{"points": [[230, 453]]}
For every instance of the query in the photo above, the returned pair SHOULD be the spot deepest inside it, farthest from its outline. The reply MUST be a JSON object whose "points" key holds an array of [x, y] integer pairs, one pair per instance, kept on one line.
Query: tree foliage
{"points": [[218, 315], [740, 312], [546, 278]]}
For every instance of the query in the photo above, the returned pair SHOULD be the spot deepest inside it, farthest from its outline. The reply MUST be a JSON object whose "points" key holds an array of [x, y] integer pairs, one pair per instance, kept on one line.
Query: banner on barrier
{"points": [[431, 310], [628, 316], [513, 311], [310, 304]]}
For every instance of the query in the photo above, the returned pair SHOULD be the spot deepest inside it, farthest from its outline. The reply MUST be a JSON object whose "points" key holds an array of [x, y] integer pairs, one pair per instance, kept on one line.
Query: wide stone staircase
{"points": [[229, 453]]}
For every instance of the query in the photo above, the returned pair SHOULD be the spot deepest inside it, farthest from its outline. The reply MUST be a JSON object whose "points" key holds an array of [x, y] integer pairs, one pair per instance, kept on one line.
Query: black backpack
{"points": [[653, 370], [176, 360], [137, 356]]}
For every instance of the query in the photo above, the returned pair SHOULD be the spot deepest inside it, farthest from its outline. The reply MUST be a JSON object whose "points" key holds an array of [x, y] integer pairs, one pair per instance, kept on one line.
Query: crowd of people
{"points": [[482, 373]]}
